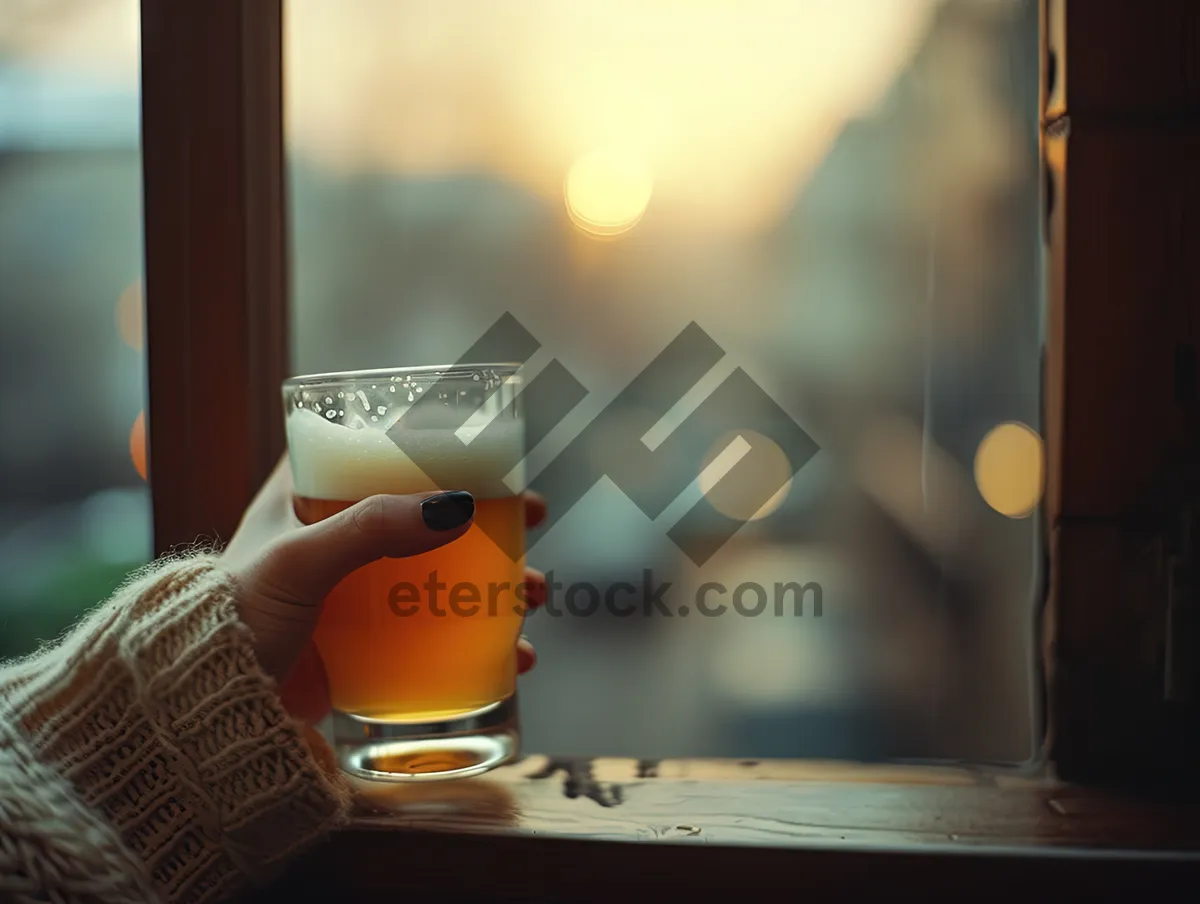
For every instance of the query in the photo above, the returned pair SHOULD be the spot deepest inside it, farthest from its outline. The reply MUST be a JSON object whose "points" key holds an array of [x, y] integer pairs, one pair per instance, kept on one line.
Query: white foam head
{"points": [[333, 461]]}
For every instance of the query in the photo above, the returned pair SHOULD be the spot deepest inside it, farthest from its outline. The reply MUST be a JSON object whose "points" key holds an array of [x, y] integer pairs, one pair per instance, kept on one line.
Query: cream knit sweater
{"points": [[146, 756]]}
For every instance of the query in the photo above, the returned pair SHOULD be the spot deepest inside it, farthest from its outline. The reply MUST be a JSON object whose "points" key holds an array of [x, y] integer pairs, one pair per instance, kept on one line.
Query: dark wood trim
{"points": [[1121, 137], [216, 276], [1135, 59]]}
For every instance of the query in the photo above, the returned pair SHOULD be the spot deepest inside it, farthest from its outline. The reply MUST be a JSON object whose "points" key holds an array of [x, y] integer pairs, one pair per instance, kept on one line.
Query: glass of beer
{"points": [[419, 652]]}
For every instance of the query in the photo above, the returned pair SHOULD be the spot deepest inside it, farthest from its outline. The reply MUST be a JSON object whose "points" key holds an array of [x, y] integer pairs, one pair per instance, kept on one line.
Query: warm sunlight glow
{"points": [[1009, 469], [129, 316], [97, 40], [733, 104], [607, 191], [730, 105], [734, 497], [137, 444]]}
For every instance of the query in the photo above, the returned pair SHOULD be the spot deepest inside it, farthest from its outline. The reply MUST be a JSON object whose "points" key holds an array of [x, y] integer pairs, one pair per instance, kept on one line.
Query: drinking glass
{"points": [[419, 652]]}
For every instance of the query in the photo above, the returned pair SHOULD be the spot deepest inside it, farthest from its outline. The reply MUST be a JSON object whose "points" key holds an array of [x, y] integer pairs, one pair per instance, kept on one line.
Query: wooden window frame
{"points": [[1121, 350], [216, 263]]}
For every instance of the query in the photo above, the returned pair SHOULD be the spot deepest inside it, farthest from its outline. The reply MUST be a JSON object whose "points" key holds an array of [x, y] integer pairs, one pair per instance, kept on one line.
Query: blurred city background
{"points": [[843, 193]]}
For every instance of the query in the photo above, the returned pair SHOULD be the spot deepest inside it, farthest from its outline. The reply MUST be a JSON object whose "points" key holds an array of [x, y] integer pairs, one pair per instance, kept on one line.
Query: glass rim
{"points": [[424, 372]]}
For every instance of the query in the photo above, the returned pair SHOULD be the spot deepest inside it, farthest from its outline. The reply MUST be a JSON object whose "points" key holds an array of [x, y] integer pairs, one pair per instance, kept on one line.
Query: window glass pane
{"points": [[844, 196], [74, 507]]}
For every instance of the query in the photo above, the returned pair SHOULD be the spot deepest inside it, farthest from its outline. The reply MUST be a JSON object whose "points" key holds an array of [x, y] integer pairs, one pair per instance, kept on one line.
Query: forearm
{"points": [[152, 731]]}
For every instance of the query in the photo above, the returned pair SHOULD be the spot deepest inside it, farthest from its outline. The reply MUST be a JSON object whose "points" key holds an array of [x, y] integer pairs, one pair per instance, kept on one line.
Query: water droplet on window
{"points": [[331, 414], [382, 409], [328, 400], [411, 397], [374, 417], [391, 389]]}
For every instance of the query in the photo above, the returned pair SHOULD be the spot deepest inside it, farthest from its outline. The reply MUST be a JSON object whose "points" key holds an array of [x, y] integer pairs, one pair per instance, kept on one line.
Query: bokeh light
{"points": [[137, 444], [608, 191], [1010, 469], [130, 310], [736, 495]]}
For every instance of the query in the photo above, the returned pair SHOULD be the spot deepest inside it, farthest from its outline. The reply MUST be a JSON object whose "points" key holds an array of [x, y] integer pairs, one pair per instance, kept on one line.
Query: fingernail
{"points": [[446, 511]]}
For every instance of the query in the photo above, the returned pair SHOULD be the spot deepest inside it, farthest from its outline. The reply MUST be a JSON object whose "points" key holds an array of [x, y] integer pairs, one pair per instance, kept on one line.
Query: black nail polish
{"points": [[446, 511]]}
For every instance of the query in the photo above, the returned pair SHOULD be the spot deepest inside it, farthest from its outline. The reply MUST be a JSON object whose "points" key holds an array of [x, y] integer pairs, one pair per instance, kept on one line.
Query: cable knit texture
{"points": [[146, 756]]}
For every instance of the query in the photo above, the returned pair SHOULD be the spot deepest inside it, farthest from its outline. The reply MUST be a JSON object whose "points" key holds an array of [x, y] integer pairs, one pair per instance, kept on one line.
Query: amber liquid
{"points": [[396, 650]]}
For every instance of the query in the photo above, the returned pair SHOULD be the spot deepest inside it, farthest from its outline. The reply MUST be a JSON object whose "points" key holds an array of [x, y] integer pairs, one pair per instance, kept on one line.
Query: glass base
{"points": [[461, 747]]}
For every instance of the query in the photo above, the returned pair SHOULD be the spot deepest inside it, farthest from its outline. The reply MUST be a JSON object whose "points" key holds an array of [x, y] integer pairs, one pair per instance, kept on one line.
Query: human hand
{"points": [[285, 569]]}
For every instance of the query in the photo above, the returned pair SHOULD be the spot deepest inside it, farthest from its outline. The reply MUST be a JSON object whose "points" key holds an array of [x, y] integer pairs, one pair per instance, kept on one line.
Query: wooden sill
{"points": [[563, 829]]}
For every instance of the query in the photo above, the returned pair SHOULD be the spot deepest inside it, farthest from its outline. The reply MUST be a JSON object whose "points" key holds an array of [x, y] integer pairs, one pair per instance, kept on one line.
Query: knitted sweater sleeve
{"points": [[147, 757]]}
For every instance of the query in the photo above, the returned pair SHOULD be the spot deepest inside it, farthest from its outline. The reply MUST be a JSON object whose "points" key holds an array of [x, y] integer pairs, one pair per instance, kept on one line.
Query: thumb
{"points": [[309, 562]]}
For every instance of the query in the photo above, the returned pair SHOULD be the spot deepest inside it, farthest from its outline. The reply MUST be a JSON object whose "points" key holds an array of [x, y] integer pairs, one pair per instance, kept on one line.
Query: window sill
{"points": [[556, 829]]}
